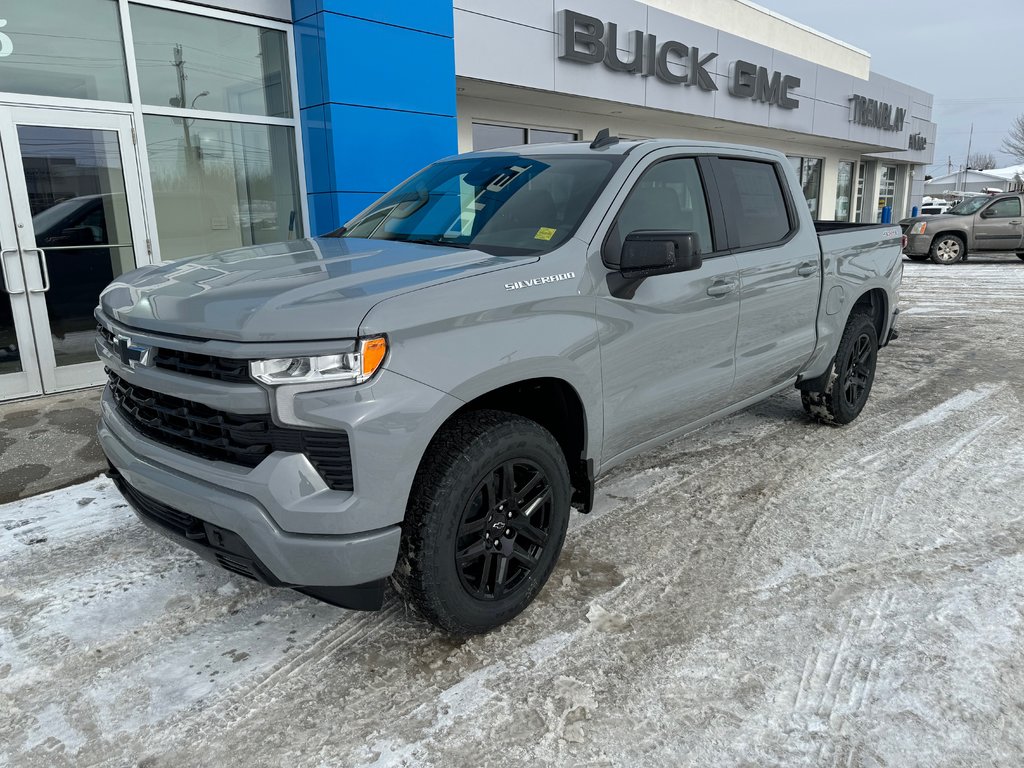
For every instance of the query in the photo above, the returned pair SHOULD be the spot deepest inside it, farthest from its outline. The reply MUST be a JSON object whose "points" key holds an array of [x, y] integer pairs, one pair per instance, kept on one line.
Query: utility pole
{"points": [[179, 65], [949, 165]]}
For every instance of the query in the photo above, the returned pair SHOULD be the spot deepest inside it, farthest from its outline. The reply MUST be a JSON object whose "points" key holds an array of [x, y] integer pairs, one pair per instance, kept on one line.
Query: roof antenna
{"points": [[603, 139]]}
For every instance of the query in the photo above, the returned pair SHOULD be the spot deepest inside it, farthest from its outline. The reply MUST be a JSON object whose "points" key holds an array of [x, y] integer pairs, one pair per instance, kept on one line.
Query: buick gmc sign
{"points": [[588, 40]]}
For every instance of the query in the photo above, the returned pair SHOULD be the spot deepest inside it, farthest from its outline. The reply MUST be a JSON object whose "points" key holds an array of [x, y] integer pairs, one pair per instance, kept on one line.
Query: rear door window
{"points": [[754, 201]]}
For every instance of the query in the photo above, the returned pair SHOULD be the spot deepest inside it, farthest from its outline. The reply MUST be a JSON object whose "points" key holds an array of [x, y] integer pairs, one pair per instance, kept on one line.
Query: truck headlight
{"points": [[919, 228], [345, 369]]}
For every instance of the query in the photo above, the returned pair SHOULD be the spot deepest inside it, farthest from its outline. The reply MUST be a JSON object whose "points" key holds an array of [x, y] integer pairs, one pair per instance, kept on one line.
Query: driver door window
{"points": [[669, 196], [1004, 209]]}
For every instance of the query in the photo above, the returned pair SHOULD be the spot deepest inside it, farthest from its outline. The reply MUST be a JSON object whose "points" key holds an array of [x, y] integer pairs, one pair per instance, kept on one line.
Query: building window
{"points": [[886, 190], [490, 136], [844, 191], [64, 50], [217, 184], [808, 171], [195, 62], [220, 185], [858, 213]]}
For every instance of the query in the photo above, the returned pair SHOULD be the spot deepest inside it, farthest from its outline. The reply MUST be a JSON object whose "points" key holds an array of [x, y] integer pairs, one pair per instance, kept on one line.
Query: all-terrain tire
{"points": [[849, 380], [468, 509], [948, 249]]}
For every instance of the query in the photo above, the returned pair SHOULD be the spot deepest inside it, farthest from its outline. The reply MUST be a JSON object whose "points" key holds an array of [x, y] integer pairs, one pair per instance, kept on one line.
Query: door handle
{"points": [[807, 269], [721, 289], [43, 271], [3, 270]]}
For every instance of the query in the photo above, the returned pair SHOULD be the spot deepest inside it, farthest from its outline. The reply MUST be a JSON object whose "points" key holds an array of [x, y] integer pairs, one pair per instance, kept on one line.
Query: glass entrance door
{"points": [[71, 223]]}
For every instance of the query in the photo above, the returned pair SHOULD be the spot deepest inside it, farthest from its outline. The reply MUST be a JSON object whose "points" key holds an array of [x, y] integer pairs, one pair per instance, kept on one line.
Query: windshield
{"points": [[969, 206], [500, 204]]}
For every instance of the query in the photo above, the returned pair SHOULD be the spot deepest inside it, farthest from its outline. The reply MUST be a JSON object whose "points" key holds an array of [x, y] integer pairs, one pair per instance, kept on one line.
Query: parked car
{"points": [[425, 393], [935, 208], [977, 224]]}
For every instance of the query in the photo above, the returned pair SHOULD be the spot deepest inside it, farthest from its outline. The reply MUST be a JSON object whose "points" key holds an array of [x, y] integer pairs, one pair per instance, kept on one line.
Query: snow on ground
{"points": [[763, 592]]}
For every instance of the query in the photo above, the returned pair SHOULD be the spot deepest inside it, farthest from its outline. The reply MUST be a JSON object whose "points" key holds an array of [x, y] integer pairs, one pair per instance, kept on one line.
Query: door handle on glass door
{"points": [[721, 289], [807, 269], [43, 272], [6, 276]]}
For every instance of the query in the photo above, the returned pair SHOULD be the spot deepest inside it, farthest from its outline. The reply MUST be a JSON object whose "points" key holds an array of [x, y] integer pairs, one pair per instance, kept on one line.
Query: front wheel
{"points": [[485, 522], [849, 381], [948, 249]]}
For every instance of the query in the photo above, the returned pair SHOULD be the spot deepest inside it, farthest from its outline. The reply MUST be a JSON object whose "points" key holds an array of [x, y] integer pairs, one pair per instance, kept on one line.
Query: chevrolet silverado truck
{"points": [[425, 393], [977, 224]]}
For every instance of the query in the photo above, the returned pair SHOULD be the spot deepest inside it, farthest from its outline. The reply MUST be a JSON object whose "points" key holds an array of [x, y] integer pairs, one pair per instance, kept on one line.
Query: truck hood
{"points": [[302, 290]]}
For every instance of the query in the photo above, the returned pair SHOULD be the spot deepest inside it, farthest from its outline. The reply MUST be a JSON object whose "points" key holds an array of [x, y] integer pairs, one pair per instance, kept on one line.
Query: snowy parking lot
{"points": [[765, 591]]}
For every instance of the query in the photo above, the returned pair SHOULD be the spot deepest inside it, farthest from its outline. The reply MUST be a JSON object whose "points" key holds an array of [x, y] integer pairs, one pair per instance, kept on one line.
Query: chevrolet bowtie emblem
{"points": [[132, 354]]}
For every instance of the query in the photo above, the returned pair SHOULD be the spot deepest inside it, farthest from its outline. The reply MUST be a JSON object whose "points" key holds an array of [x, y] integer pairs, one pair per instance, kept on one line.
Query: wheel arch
{"points": [[875, 303], [555, 404]]}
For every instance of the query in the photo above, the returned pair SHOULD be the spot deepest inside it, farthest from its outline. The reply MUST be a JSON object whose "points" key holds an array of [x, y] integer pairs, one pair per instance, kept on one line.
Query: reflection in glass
{"points": [[10, 357], [65, 49], [197, 62], [844, 190], [540, 136], [76, 193], [886, 190], [220, 185], [494, 136]]}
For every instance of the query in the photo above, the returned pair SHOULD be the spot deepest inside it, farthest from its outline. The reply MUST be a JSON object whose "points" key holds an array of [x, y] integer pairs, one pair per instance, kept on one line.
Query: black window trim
{"points": [[710, 202], [787, 198]]}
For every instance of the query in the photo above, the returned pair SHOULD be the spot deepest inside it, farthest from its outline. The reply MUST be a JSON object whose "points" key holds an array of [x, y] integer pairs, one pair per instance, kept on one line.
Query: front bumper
{"points": [[918, 245], [281, 558]]}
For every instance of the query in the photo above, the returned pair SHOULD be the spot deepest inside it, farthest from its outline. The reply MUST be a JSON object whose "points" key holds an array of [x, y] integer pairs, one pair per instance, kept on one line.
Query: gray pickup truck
{"points": [[990, 223], [424, 394]]}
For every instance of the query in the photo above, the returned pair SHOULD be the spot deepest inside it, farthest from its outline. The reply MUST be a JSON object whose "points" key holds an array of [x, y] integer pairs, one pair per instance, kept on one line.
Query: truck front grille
{"points": [[192, 363], [242, 439]]}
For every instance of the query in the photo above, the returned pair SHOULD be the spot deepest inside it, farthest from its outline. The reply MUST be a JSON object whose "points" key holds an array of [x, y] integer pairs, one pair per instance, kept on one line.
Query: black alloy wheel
{"points": [[843, 392], [485, 522], [859, 372], [503, 530]]}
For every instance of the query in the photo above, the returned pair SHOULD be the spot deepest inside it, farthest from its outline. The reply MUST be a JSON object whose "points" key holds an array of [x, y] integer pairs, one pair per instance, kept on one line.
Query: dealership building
{"points": [[134, 131]]}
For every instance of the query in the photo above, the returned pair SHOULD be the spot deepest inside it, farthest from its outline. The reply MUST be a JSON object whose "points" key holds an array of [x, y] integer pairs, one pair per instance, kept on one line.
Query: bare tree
{"points": [[1013, 144], [981, 161]]}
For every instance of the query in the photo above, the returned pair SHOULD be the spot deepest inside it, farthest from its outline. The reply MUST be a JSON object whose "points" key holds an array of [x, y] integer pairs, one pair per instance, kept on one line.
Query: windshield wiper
{"points": [[425, 241]]}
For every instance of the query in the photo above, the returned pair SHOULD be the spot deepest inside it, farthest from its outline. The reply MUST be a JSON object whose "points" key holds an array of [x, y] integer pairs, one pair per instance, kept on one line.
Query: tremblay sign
{"points": [[877, 114], [591, 41]]}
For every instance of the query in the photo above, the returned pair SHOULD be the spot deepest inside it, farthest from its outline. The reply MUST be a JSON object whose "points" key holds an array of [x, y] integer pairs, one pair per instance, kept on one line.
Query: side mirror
{"points": [[988, 213], [659, 252]]}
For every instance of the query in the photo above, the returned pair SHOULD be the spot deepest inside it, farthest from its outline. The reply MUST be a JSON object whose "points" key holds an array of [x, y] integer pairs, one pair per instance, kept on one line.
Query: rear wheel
{"points": [[849, 381], [485, 523], [948, 249]]}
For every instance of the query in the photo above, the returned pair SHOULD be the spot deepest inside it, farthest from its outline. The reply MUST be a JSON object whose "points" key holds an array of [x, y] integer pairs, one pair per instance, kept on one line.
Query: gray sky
{"points": [[966, 54]]}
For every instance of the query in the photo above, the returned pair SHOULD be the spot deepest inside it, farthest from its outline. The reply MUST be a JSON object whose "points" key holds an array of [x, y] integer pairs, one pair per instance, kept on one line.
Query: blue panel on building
{"points": [[382, 66], [377, 97], [318, 150], [401, 142], [423, 15], [309, 59]]}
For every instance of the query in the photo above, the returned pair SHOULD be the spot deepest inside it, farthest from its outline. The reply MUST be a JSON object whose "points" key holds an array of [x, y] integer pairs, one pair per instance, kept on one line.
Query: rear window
{"points": [[755, 204]]}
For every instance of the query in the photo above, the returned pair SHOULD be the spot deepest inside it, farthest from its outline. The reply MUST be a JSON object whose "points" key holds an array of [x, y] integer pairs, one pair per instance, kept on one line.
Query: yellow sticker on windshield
{"points": [[544, 233]]}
